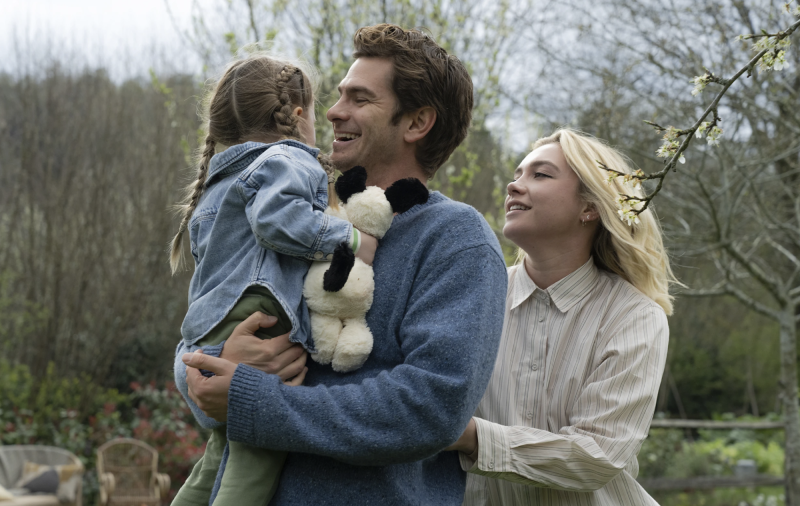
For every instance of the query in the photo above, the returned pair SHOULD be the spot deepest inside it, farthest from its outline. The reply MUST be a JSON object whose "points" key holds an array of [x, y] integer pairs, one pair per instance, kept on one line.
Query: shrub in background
{"points": [[79, 416]]}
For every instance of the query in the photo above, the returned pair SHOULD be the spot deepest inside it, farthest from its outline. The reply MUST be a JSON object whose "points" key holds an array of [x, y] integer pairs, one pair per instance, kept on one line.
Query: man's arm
{"points": [[609, 421], [449, 335]]}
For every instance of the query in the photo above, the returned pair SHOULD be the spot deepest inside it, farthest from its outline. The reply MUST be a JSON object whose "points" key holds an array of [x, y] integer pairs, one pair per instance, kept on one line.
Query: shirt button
{"points": [[541, 318], [529, 415], [318, 255], [491, 465], [535, 366]]}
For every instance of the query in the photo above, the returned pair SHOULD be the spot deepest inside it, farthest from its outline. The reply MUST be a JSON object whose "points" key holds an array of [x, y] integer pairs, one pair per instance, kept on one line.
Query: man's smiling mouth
{"points": [[346, 137]]}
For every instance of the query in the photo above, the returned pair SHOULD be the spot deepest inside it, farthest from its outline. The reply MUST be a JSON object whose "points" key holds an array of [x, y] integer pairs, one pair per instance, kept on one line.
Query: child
{"points": [[255, 220]]}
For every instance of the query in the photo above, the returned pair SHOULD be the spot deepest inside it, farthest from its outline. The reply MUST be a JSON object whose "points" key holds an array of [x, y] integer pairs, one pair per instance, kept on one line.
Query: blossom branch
{"points": [[770, 55]]}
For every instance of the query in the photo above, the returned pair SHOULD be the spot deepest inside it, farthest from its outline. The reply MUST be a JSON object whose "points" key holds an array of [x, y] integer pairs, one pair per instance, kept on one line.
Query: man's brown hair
{"points": [[424, 75]]}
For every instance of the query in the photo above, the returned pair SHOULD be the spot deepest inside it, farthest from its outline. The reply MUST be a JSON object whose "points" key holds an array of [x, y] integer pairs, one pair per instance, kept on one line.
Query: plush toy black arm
{"points": [[351, 182], [336, 276], [406, 193]]}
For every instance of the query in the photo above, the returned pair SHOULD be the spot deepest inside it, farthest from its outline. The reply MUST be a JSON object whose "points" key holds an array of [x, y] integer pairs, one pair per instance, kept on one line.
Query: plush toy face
{"points": [[370, 212]]}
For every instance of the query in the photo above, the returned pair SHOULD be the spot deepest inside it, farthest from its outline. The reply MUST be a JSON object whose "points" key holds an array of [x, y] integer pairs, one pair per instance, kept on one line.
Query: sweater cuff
{"points": [[248, 387]]}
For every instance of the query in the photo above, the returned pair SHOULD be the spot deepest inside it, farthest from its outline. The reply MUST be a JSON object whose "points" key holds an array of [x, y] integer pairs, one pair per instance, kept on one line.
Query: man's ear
{"points": [[422, 120]]}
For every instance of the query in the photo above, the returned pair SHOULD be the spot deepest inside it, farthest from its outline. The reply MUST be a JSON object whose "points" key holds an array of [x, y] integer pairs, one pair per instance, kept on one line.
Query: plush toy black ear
{"points": [[406, 193], [336, 276], [351, 182]]}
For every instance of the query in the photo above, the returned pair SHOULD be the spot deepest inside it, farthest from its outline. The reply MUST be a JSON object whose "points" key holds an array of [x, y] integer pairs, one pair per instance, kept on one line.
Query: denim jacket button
{"points": [[329, 257], [318, 255]]}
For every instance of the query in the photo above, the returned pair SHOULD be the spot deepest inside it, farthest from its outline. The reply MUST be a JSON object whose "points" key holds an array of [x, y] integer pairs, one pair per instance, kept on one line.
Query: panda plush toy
{"points": [[339, 292]]}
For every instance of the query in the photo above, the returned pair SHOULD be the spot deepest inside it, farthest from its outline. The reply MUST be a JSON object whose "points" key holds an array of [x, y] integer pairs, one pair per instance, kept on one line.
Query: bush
{"points": [[79, 416], [668, 453]]}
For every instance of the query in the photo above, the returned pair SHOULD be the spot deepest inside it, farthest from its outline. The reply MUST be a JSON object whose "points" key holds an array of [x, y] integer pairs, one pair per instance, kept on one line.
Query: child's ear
{"points": [[298, 111]]}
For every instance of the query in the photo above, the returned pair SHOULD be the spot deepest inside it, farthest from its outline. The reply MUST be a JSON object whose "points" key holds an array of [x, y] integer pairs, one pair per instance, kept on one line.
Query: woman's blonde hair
{"points": [[636, 253], [255, 96]]}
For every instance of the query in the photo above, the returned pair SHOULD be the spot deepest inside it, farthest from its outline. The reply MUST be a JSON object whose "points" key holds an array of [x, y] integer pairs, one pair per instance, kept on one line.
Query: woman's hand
{"points": [[210, 394], [468, 442], [277, 356]]}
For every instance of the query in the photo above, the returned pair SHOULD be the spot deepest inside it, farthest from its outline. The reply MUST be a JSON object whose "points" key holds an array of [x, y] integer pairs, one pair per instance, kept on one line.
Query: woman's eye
{"points": [[541, 174]]}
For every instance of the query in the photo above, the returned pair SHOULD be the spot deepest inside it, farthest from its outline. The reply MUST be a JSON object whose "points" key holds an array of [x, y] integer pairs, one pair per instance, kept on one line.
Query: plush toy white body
{"points": [[338, 318]]}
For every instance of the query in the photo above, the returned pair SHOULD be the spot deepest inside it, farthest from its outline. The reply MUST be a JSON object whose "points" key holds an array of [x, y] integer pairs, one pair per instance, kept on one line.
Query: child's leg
{"points": [[251, 476], [198, 487], [196, 491]]}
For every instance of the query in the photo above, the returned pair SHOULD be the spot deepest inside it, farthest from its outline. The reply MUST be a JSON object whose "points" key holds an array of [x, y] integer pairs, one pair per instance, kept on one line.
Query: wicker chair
{"points": [[127, 471]]}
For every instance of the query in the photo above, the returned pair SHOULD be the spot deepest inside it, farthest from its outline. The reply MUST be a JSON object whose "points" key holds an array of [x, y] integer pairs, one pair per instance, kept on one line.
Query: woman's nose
{"points": [[514, 187]]}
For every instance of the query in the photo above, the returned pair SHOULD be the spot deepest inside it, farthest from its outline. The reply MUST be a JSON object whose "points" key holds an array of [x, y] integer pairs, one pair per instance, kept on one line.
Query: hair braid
{"points": [[285, 119], [330, 170], [193, 192]]}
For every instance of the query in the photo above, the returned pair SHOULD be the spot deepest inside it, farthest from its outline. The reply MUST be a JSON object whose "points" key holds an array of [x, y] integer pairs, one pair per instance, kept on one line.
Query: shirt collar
{"points": [[236, 158], [565, 293]]}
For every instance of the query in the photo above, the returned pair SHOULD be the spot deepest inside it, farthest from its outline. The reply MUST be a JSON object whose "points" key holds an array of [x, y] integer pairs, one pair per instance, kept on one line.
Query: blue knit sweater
{"points": [[374, 436]]}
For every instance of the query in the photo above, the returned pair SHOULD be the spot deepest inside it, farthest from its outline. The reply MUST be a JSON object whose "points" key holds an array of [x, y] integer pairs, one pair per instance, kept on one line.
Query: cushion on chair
{"points": [[63, 481], [5, 495]]}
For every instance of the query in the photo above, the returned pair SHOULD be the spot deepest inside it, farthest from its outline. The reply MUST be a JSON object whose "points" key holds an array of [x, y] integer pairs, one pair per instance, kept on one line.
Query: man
{"points": [[374, 436]]}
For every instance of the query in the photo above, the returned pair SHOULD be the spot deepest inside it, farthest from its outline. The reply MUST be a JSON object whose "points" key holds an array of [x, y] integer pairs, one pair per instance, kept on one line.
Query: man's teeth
{"points": [[517, 207], [348, 137]]}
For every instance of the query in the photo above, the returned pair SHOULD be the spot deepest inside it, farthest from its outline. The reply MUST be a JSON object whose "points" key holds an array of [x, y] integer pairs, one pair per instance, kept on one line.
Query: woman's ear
{"points": [[589, 213], [422, 120]]}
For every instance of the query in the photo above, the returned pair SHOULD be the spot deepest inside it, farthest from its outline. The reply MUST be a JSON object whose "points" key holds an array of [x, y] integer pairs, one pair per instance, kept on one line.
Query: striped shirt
{"points": [[572, 394]]}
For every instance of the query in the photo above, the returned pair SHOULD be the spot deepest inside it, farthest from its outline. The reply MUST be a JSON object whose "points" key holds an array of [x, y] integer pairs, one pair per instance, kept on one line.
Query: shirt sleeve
{"points": [[610, 419], [449, 337], [279, 202]]}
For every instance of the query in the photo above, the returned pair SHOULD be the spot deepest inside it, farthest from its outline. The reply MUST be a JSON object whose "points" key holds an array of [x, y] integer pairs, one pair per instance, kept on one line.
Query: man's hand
{"points": [[468, 442], [277, 356], [210, 394]]}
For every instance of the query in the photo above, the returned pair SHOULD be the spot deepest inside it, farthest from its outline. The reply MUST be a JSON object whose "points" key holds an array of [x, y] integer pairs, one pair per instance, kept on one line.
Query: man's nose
{"points": [[336, 112]]}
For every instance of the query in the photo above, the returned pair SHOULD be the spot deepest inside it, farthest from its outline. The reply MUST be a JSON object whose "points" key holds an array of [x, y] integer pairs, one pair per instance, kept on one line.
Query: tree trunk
{"points": [[791, 413]]}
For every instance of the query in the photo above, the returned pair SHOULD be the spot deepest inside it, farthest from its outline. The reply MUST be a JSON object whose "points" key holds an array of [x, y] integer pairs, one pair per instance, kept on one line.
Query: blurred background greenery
{"points": [[91, 163]]}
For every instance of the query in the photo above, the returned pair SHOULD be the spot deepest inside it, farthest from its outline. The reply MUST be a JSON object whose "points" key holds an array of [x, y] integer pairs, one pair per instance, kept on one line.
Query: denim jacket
{"points": [[260, 221]]}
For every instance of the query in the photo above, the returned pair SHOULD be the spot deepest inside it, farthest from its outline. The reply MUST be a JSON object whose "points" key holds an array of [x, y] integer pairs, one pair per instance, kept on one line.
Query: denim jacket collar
{"points": [[236, 158]]}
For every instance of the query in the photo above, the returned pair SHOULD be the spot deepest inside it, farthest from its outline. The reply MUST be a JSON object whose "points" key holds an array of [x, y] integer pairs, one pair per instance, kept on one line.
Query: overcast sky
{"points": [[123, 31]]}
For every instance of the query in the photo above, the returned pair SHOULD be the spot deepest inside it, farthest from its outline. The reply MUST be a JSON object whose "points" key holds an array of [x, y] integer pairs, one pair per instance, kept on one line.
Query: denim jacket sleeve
{"points": [[279, 193], [409, 412], [204, 420]]}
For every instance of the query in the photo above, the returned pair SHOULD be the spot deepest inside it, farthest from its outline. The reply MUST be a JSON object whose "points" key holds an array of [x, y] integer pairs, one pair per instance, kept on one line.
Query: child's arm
{"points": [[279, 193]]}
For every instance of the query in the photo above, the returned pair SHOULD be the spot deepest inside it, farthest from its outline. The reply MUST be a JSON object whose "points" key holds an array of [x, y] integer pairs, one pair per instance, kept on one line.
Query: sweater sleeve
{"points": [[449, 335], [609, 420], [279, 195]]}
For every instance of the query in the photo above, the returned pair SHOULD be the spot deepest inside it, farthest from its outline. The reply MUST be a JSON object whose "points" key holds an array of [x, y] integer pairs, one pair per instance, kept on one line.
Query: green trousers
{"points": [[251, 474]]}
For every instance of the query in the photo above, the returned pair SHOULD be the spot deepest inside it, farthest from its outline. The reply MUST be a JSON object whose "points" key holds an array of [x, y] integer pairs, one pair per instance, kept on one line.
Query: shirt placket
{"points": [[538, 358]]}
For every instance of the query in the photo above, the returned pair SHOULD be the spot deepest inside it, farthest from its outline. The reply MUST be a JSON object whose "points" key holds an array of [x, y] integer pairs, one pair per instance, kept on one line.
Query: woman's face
{"points": [[542, 202]]}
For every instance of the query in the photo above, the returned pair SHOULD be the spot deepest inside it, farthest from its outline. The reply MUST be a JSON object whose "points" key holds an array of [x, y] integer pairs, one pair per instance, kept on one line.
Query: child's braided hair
{"points": [[254, 99]]}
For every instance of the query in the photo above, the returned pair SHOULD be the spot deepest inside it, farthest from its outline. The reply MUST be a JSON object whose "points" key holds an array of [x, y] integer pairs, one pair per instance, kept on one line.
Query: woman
{"points": [[584, 341]]}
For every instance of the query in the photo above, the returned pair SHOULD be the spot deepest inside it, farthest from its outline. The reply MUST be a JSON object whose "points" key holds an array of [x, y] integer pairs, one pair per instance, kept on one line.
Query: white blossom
{"points": [[682, 159]]}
